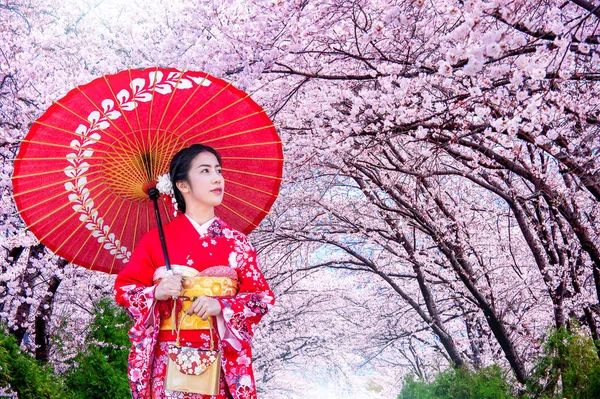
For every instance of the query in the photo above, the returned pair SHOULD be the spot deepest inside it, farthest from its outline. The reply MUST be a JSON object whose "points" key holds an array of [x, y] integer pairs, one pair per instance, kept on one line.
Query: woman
{"points": [[205, 251]]}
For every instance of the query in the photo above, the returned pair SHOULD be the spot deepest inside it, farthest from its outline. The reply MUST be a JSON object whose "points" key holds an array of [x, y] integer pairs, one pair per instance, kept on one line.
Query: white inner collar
{"points": [[200, 228]]}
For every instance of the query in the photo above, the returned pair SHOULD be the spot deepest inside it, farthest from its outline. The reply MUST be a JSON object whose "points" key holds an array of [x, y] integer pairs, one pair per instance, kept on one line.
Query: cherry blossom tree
{"points": [[465, 141]]}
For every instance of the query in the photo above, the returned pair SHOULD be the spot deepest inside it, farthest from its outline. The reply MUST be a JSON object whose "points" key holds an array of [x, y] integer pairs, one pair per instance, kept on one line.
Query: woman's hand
{"points": [[205, 307], [168, 287]]}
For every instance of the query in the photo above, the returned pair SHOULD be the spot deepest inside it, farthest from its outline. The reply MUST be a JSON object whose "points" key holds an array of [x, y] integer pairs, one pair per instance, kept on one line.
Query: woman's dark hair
{"points": [[180, 167]]}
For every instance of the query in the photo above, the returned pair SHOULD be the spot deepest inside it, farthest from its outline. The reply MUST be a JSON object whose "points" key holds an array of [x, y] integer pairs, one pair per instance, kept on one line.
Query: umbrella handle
{"points": [[153, 193]]}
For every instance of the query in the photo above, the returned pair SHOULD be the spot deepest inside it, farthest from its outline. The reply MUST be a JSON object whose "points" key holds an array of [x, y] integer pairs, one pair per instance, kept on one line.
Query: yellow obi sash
{"points": [[194, 287]]}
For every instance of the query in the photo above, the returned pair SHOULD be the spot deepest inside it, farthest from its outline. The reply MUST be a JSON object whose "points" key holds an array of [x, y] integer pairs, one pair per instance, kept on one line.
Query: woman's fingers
{"points": [[195, 307], [174, 281], [169, 286], [205, 307], [199, 306], [202, 309]]}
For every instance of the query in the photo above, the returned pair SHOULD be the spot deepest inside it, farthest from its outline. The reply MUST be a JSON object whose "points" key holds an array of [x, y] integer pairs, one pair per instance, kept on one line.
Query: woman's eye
{"points": [[219, 171], [204, 170]]}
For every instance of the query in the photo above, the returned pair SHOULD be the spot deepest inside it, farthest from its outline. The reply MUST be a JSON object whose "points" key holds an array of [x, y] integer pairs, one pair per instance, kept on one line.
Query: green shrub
{"points": [[568, 367], [460, 383], [100, 371], [24, 374], [413, 389]]}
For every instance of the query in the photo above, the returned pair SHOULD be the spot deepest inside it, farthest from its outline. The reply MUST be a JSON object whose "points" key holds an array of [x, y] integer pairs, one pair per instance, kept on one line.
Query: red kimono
{"points": [[213, 249]]}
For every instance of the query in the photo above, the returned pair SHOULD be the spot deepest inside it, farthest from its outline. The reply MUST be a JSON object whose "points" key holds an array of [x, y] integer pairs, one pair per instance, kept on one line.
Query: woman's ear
{"points": [[183, 186]]}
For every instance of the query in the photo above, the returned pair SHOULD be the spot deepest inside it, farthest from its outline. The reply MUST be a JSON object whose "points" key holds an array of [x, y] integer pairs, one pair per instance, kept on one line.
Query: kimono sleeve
{"points": [[242, 312], [134, 289]]}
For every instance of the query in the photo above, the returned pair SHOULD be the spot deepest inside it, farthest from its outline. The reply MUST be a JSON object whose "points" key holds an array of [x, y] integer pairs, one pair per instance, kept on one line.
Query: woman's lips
{"points": [[217, 191]]}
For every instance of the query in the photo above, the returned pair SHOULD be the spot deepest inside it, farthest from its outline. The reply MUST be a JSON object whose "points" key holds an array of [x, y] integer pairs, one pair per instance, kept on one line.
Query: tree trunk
{"points": [[24, 309], [43, 315]]}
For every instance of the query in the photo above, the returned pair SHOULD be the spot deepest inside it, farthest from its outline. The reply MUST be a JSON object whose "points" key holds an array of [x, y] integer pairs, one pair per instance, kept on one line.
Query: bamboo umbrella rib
{"points": [[74, 230], [169, 146], [88, 237], [123, 164], [195, 112], [148, 217], [140, 172], [135, 138], [126, 166], [166, 149], [222, 125], [239, 133], [248, 95], [166, 160], [254, 159], [186, 102], [47, 199], [124, 172], [129, 142], [65, 146], [60, 145], [120, 154], [49, 172], [137, 114], [249, 187], [107, 231], [66, 204], [246, 202], [26, 159], [112, 92], [150, 141], [166, 108], [239, 215], [252, 174], [247, 145], [120, 240], [122, 161], [165, 153], [60, 129], [87, 121], [57, 183], [166, 212], [123, 169], [162, 118], [119, 174], [200, 107], [213, 114], [215, 128], [137, 220]]}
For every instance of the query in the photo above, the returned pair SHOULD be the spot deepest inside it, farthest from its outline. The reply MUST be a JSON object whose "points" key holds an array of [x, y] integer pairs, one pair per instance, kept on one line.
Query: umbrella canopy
{"points": [[82, 173]]}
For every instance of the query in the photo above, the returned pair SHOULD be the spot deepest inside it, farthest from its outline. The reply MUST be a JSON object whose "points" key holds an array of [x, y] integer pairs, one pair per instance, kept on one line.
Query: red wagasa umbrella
{"points": [[83, 171]]}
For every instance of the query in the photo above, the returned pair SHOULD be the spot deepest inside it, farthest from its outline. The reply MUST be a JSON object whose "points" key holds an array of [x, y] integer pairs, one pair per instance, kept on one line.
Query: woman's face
{"points": [[205, 185]]}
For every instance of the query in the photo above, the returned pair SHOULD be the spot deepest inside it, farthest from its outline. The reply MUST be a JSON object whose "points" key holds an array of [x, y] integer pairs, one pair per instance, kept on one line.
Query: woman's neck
{"points": [[200, 215]]}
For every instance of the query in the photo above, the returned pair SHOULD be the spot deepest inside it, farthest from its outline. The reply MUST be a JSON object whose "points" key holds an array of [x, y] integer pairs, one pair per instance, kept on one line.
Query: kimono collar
{"points": [[201, 228]]}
